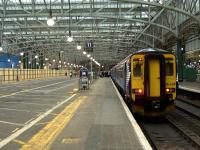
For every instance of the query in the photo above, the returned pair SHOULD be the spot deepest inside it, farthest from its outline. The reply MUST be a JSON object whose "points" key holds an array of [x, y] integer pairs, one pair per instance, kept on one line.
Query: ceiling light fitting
{"points": [[50, 21]]}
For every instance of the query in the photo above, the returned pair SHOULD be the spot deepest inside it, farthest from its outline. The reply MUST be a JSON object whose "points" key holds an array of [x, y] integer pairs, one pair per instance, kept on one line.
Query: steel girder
{"points": [[182, 11], [44, 43], [171, 16], [152, 31], [103, 17]]}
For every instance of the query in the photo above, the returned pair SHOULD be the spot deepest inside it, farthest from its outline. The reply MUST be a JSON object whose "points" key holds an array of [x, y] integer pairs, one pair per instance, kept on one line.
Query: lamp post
{"points": [[21, 63], [30, 64], [46, 63], [10, 62], [91, 71]]}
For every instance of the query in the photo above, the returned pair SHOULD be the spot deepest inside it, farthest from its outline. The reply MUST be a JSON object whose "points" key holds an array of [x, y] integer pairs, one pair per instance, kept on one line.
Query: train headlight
{"points": [[170, 90], [138, 91]]}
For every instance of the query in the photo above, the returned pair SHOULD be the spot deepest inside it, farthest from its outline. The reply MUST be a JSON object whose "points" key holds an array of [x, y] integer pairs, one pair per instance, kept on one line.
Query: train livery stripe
{"points": [[141, 137]]}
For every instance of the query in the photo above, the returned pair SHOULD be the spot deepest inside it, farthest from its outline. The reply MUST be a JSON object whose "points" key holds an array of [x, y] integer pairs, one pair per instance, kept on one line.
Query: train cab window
{"points": [[137, 70], [169, 69]]}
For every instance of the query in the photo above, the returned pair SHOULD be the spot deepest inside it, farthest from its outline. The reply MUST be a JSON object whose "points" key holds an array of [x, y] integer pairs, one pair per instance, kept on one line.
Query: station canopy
{"points": [[104, 30]]}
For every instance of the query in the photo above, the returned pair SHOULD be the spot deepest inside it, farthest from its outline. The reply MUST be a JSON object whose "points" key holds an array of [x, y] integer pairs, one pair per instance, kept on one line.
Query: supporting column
{"points": [[41, 61], [91, 70], [25, 61], [179, 55]]}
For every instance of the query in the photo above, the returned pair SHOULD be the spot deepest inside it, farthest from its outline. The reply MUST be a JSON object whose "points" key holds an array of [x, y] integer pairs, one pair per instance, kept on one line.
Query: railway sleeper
{"points": [[187, 132]]}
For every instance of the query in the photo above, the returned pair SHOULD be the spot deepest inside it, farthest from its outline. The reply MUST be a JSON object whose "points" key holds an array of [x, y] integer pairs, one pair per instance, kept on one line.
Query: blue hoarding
{"points": [[4, 63]]}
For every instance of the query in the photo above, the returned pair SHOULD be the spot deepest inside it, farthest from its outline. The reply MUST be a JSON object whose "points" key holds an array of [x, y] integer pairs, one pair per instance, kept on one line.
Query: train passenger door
{"points": [[154, 77]]}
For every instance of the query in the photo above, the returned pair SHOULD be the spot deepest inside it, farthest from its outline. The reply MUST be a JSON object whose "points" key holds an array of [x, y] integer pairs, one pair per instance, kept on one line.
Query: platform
{"points": [[89, 120], [190, 86], [100, 123]]}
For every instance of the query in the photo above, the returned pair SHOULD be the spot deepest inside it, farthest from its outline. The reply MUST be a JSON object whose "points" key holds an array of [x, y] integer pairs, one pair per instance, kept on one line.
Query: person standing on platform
{"points": [[66, 74], [70, 74]]}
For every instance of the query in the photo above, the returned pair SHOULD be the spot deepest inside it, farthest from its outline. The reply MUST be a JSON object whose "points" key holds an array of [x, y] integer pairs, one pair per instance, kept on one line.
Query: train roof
{"points": [[150, 50], [143, 51]]}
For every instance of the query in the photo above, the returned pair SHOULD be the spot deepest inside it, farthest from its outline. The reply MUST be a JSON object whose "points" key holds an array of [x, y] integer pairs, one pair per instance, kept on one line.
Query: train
{"points": [[147, 81]]}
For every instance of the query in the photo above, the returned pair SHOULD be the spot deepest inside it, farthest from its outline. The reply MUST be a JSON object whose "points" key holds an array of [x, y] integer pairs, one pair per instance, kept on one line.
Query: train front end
{"points": [[153, 83]]}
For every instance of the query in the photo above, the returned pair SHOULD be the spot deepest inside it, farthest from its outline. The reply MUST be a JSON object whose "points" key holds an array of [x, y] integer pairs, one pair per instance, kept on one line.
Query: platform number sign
{"points": [[89, 46]]}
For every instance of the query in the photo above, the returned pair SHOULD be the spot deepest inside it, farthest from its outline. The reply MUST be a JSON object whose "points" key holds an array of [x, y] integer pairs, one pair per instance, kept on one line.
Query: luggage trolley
{"points": [[84, 80]]}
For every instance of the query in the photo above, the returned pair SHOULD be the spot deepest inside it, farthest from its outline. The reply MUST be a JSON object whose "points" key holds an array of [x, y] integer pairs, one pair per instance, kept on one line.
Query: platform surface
{"points": [[94, 119], [190, 86], [99, 123]]}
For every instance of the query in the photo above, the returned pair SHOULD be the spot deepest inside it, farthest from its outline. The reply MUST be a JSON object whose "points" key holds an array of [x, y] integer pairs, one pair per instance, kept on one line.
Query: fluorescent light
{"points": [[21, 54], [36, 56], [46, 59], [50, 22], [8, 60], [88, 55], [84, 53], [78, 47], [1, 49], [70, 39], [54, 60]]}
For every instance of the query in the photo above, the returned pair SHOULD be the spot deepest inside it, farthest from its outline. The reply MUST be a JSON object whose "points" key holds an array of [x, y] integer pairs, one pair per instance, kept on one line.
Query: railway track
{"points": [[178, 130], [185, 95], [163, 135]]}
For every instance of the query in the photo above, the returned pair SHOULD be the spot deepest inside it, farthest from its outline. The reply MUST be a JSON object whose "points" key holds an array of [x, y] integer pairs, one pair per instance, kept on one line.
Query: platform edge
{"points": [[143, 140]]}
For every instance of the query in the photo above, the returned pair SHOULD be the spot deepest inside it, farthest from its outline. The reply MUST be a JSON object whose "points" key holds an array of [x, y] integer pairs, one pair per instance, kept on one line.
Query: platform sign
{"points": [[89, 46]]}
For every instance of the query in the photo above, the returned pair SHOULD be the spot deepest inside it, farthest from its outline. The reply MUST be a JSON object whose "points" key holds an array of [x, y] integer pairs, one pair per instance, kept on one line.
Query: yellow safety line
{"points": [[45, 137]]}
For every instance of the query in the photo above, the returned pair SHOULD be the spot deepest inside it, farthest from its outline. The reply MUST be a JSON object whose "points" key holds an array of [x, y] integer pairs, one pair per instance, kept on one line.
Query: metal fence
{"points": [[12, 75]]}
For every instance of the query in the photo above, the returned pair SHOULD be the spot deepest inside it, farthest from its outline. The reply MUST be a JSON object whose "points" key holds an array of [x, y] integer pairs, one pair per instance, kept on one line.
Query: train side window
{"points": [[137, 70], [169, 69]]}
